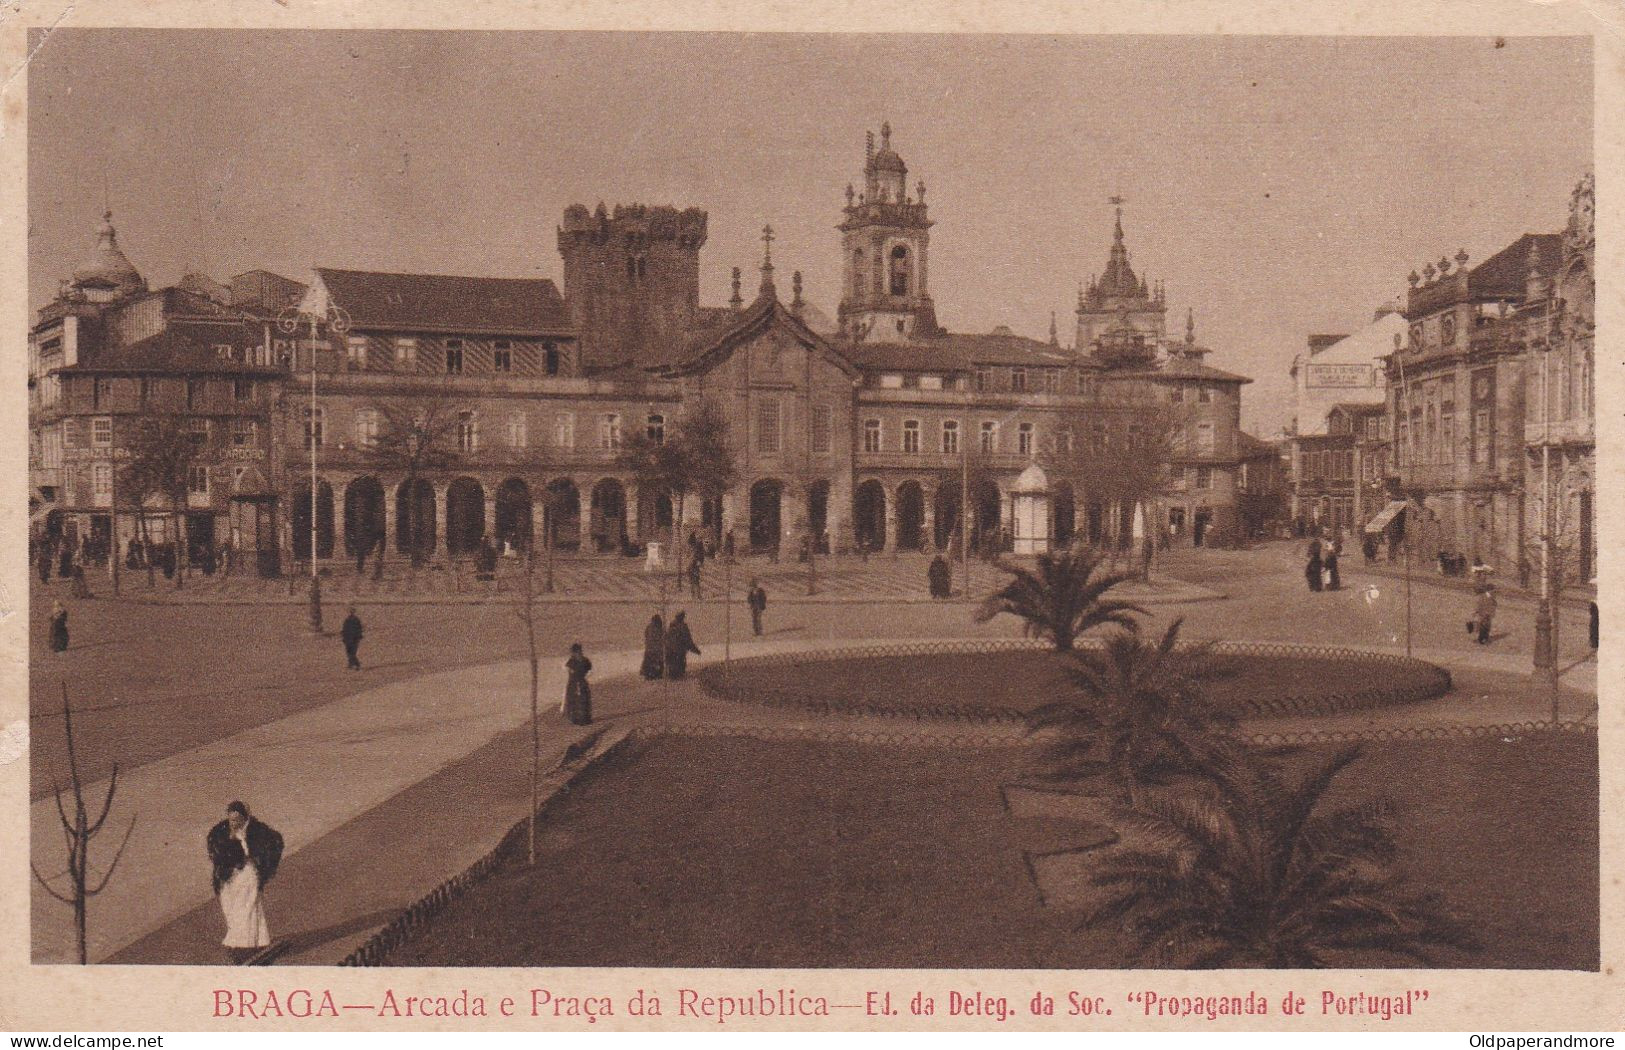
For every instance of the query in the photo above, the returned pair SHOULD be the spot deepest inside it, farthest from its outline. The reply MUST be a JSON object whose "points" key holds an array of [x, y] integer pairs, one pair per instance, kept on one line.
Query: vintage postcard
{"points": [[991, 519]]}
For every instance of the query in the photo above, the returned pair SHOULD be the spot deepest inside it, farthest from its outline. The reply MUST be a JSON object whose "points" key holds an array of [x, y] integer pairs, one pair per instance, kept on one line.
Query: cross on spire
{"points": [[767, 261]]}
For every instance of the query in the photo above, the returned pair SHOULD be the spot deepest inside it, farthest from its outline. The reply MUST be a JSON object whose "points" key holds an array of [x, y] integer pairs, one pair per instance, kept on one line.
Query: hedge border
{"points": [[1428, 681]]}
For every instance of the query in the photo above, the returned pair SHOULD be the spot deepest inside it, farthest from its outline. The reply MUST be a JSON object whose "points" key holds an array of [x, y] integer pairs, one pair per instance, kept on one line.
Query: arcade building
{"points": [[851, 433]]}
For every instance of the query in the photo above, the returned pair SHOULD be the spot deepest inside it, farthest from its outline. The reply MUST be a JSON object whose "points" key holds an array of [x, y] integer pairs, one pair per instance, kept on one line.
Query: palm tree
{"points": [[1064, 598], [1256, 873], [1140, 712]]}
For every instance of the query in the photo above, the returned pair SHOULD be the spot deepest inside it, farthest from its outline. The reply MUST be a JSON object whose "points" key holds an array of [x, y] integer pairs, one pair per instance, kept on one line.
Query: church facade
{"points": [[856, 433]]}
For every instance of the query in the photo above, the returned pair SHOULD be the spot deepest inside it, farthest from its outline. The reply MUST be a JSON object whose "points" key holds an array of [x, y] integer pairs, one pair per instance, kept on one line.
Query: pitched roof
{"points": [[1185, 367], [1250, 447], [960, 352], [173, 350], [440, 303], [705, 345], [1503, 275]]}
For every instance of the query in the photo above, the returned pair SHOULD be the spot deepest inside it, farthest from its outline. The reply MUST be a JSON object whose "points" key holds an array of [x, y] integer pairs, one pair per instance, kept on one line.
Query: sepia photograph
{"points": [[769, 501]]}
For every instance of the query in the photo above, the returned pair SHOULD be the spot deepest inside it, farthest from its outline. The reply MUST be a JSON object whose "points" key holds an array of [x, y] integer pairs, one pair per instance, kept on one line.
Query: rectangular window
{"points": [[1064, 441], [244, 432], [1483, 444], [1204, 477], [1176, 394], [242, 389], [950, 436], [102, 484], [518, 431], [1205, 445], [1052, 380], [655, 428], [609, 431], [313, 428], [406, 351], [223, 351], [198, 431], [1018, 380], [930, 382], [550, 359], [501, 357], [454, 358], [982, 377], [366, 428], [823, 428], [355, 351], [564, 430], [1204, 394], [468, 436], [194, 391], [911, 435], [767, 425], [1024, 439], [990, 437], [891, 381], [101, 431], [197, 481], [1098, 437], [871, 435]]}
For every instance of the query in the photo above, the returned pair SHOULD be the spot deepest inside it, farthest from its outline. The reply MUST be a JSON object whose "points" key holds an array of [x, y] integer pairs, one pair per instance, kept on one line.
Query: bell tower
{"points": [[1121, 316], [885, 239]]}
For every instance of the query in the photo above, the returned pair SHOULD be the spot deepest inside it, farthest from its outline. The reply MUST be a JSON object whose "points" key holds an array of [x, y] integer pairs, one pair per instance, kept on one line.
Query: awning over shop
{"points": [[1386, 516]]}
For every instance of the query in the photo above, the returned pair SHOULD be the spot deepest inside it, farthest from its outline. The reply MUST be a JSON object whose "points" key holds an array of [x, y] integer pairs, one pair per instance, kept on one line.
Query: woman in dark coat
{"points": [[577, 694], [679, 643], [941, 581], [59, 627], [654, 648], [1312, 570]]}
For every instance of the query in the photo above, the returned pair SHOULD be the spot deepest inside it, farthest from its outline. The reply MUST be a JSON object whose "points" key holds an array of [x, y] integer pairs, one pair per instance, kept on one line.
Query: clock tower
{"points": [[884, 241]]}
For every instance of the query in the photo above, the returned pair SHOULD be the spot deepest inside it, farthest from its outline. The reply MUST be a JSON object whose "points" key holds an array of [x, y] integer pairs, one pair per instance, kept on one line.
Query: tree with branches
{"points": [[1253, 871], [162, 452], [694, 459], [415, 436], [77, 831], [1117, 456]]}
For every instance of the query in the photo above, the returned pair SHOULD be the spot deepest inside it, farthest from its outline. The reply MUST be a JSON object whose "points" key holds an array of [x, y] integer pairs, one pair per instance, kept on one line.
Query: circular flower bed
{"points": [[1004, 681]]}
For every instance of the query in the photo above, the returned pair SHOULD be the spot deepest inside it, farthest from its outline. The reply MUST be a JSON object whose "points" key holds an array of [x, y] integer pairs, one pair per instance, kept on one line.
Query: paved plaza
{"points": [[429, 738]]}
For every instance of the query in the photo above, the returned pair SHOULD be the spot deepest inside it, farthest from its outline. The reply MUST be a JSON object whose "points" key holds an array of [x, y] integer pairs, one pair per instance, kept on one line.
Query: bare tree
{"points": [[415, 436], [1119, 456], [693, 460], [77, 831], [163, 450]]}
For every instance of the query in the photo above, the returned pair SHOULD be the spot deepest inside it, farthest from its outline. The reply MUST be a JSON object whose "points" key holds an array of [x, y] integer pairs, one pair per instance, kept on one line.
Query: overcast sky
{"points": [[1279, 186]]}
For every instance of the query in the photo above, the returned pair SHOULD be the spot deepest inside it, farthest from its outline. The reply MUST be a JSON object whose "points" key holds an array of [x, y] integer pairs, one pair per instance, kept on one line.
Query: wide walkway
{"points": [[384, 794]]}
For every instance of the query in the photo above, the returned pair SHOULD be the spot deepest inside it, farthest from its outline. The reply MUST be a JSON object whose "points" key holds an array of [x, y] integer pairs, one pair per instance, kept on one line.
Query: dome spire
{"points": [[107, 267]]}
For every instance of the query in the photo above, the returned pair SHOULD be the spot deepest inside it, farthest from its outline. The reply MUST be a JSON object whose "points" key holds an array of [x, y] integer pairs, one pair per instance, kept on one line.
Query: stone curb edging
{"points": [[1436, 681]]}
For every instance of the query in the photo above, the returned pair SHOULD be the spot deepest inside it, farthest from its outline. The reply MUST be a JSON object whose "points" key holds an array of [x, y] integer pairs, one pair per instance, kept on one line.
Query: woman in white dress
{"points": [[244, 853]]}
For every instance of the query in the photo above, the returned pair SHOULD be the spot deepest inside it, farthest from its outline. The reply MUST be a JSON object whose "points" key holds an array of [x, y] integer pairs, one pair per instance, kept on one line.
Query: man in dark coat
{"points": [[940, 578], [679, 643], [235, 845], [1312, 569], [59, 628], [694, 575], [756, 598], [350, 634]]}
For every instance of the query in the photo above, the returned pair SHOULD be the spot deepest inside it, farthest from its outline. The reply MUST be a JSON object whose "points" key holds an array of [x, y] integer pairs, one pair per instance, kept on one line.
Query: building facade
{"points": [[443, 410]]}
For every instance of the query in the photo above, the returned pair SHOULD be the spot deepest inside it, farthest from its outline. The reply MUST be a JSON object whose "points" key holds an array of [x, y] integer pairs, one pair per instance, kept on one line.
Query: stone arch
{"points": [[606, 515], [766, 513], [818, 514], [869, 515], [465, 516], [415, 515], [987, 505], [563, 502], [947, 512], [1063, 513], [363, 515], [910, 516], [513, 513], [299, 520]]}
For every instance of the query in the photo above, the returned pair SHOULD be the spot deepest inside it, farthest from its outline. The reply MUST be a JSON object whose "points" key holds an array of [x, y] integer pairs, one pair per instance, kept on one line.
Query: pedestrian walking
{"points": [[64, 567], [694, 578], [1484, 613], [59, 627], [756, 598], [81, 587], [1313, 567], [1594, 626], [44, 563], [350, 634], [940, 577], [654, 648], [728, 545], [244, 853], [577, 694], [1147, 549], [1334, 550], [679, 643]]}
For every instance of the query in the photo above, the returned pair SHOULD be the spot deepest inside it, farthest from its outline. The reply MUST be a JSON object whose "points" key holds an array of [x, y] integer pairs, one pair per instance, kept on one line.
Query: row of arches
{"points": [[907, 520], [418, 524]]}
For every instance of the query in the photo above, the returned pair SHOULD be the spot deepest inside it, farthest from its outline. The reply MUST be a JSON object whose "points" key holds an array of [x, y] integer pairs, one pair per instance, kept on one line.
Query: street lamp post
{"points": [[337, 322], [1545, 655]]}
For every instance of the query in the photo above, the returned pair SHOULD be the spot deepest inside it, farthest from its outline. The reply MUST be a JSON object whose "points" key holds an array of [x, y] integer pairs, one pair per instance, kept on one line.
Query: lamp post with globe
{"points": [[337, 322]]}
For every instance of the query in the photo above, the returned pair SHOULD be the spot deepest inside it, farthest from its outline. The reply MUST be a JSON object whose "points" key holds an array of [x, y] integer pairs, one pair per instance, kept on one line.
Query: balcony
{"points": [[939, 461], [1562, 432]]}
